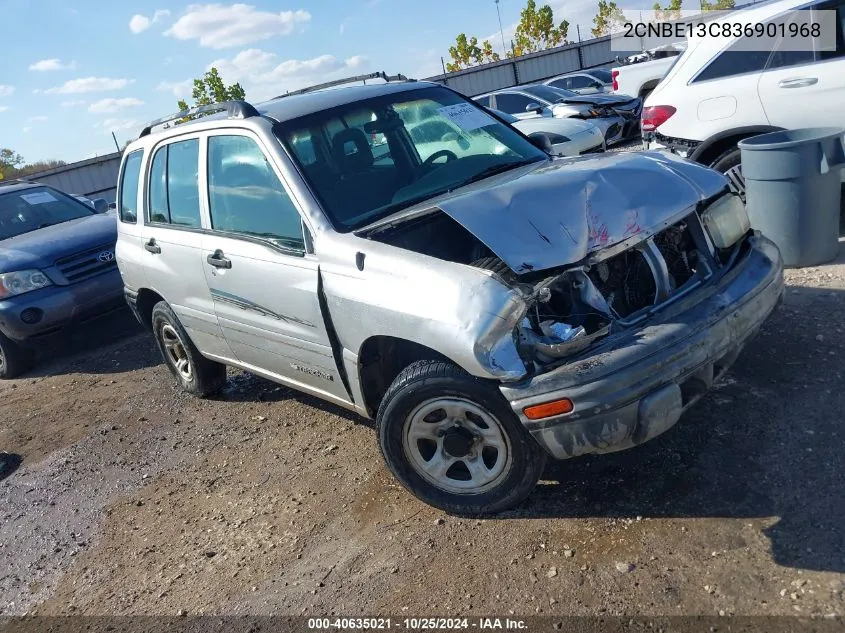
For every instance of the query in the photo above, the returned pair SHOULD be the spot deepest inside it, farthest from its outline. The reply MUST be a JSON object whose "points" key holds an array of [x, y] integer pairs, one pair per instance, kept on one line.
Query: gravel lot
{"points": [[133, 498]]}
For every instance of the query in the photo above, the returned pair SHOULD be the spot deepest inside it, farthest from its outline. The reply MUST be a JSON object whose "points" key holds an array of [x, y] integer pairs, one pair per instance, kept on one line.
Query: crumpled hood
{"points": [[559, 212], [41, 248]]}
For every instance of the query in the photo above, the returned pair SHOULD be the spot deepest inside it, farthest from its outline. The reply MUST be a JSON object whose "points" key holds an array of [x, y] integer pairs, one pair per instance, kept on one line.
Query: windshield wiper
{"points": [[492, 170]]}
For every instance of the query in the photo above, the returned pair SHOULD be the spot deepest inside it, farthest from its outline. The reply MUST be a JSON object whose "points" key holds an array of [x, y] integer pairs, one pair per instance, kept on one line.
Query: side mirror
{"points": [[542, 141], [100, 205], [534, 107]]}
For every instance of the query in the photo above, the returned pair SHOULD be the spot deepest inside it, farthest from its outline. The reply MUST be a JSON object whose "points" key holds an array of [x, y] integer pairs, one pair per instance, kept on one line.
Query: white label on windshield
{"points": [[38, 198], [466, 117]]}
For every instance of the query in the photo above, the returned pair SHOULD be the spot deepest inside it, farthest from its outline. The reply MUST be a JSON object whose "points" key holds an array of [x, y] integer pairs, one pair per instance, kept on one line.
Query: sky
{"points": [[74, 71]]}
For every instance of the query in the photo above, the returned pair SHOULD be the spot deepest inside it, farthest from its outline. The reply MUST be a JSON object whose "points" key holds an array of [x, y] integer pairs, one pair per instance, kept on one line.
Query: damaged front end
{"points": [[617, 288], [592, 246]]}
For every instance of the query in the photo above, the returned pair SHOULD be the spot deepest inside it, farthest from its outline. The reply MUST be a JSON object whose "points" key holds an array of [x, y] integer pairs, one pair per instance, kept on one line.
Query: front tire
{"points": [[195, 373], [452, 440], [14, 358], [730, 164]]}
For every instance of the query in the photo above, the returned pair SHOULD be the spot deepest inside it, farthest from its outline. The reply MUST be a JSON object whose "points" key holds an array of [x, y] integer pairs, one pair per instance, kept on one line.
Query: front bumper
{"points": [[636, 386], [61, 306]]}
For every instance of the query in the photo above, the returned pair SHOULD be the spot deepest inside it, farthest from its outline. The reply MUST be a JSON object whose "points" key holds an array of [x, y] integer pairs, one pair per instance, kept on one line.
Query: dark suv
{"points": [[57, 267]]}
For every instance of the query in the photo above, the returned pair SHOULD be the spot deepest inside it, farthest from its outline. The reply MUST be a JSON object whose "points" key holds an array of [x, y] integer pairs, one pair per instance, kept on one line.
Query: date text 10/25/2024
{"points": [[417, 624]]}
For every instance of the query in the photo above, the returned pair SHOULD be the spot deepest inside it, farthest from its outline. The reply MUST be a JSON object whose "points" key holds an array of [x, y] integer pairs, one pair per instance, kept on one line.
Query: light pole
{"points": [[501, 30]]}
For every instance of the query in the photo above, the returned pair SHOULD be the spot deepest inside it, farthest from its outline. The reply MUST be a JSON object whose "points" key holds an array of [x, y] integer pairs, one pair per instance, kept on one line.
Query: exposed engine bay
{"points": [[571, 307]]}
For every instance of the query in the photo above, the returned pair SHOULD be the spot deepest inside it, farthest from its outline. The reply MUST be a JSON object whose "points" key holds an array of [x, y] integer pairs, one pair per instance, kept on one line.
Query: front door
{"points": [[262, 281]]}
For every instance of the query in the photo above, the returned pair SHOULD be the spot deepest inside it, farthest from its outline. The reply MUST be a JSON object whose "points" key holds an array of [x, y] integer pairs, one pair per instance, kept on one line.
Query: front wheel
{"points": [[14, 358], [452, 440]]}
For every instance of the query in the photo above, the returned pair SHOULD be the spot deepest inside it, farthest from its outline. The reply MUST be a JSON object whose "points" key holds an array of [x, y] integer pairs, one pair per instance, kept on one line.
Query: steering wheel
{"points": [[449, 154]]}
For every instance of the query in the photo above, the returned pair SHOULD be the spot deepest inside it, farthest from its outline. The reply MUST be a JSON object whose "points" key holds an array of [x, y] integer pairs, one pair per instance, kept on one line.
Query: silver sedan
{"points": [[569, 137]]}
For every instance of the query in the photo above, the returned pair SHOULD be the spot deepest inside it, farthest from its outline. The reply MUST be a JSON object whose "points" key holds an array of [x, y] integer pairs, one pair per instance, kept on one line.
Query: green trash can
{"points": [[793, 190]]}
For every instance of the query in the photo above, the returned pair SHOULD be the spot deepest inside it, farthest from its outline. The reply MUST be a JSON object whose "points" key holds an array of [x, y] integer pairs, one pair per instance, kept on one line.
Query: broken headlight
{"points": [[726, 220]]}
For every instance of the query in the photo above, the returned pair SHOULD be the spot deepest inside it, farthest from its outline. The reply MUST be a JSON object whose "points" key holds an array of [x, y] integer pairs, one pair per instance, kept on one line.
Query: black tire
{"points": [[14, 358], [200, 376], [421, 383], [727, 161]]}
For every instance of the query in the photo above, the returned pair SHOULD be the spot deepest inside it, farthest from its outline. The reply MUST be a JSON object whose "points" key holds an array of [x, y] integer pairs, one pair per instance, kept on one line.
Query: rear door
{"points": [[172, 240], [263, 281], [806, 88]]}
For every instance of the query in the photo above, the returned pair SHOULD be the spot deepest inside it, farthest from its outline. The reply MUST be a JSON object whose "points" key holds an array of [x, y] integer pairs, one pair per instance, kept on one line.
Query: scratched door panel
{"points": [[267, 306]]}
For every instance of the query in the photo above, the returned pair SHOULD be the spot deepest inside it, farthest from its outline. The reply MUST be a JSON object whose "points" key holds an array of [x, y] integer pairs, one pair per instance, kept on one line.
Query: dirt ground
{"points": [[133, 498]]}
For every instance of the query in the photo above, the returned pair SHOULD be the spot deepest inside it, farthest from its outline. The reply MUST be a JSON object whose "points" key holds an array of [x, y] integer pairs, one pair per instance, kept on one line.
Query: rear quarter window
{"points": [[129, 182]]}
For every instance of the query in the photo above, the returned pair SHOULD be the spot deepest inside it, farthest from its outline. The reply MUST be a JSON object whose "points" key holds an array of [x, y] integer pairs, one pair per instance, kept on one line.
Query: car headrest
{"points": [[242, 174], [351, 150]]}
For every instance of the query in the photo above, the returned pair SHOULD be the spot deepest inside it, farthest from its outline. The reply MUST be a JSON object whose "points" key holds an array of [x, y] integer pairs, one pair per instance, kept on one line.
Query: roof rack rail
{"points": [[234, 110], [346, 80]]}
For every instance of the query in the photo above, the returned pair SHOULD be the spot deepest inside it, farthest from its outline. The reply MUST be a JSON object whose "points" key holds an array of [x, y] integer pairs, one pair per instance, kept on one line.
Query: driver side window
{"points": [[246, 197], [513, 103]]}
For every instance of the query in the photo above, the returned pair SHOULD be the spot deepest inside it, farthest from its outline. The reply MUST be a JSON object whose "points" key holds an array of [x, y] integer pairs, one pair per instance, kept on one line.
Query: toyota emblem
{"points": [[106, 256]]}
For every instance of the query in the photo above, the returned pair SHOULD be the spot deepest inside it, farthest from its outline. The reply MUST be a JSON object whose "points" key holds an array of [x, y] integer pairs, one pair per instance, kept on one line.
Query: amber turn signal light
{"points": [[548, 409]]}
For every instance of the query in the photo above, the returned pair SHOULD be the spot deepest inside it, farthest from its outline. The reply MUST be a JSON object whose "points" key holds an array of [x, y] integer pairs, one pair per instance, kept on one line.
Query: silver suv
{"points": [[490, 306]]}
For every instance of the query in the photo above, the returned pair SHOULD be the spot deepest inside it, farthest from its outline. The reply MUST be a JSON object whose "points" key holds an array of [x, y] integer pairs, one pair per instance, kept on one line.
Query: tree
{"points": [[608, 20], [719, 5], [670, 12], [10, 160], [537, 30], [38, 166], [12, 165], [211, 89], [466, 52]]}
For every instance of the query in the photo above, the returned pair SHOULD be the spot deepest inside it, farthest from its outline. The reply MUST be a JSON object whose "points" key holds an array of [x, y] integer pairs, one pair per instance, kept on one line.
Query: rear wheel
{"points": [[452, 440], [14, 358], [730, 164], [196, 374]]}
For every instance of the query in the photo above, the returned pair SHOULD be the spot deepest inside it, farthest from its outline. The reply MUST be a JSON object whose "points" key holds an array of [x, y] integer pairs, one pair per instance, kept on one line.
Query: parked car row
{"points": [[618, 116]]}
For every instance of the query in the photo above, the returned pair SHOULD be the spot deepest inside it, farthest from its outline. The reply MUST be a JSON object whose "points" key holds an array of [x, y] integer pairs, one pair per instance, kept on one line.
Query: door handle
{"points": [[801, 82], [152, 247], [218, 260]]}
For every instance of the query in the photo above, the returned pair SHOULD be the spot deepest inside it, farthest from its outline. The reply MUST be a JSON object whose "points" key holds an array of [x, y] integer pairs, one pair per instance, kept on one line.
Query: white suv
{"points": [[720, 92]]}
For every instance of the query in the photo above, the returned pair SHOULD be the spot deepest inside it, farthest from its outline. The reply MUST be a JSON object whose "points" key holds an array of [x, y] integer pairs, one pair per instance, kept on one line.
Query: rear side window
{"points": [[736, 60], [483, 101], [129, 187], [174, 185]]}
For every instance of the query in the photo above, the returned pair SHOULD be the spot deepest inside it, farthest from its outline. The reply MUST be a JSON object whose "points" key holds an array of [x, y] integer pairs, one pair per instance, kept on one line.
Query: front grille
{"points": [[662, 268], [626, 282], [86, 264], [678, 250]]}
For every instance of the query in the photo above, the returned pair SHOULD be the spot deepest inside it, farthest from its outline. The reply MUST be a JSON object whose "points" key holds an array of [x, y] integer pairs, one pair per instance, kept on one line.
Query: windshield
{"points": [[549, 93], [34, 208], [371, 158], [602, 75], [509, 118]]}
